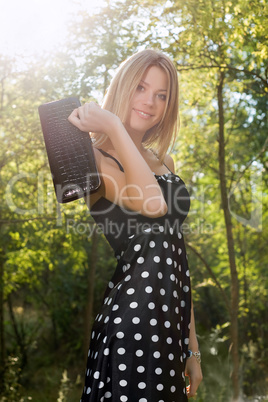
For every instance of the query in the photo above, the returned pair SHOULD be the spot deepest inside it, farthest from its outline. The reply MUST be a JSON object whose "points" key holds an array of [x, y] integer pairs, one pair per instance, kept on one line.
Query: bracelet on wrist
{"points": [[197, 355]]}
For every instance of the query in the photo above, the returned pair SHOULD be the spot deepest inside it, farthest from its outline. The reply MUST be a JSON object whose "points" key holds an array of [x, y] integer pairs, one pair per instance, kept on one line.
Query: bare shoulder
{"points": [[168, 160]]}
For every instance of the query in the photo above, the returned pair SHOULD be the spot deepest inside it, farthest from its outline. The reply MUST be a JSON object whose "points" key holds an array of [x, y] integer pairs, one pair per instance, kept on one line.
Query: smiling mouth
{"points": [[143, 114]]}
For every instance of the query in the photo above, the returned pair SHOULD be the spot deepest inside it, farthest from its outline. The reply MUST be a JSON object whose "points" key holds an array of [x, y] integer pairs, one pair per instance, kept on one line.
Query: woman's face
{"points": [[148, 103]]}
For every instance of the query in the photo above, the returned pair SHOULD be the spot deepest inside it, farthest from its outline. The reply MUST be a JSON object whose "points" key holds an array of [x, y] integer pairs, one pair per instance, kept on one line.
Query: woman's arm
{"points": [[136, 188], [193, 368]]}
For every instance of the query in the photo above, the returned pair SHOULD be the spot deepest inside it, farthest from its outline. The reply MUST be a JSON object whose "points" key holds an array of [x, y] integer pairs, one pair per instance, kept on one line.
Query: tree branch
{"points": [[212, 275]]}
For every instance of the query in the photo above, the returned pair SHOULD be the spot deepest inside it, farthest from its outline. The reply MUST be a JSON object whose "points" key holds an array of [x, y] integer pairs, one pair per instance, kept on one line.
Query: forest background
{"points": [[54, 264]]}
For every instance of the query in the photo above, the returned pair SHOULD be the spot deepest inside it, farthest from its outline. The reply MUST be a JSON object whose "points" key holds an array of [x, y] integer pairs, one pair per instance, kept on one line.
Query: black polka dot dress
{"points": [[140, 337]]}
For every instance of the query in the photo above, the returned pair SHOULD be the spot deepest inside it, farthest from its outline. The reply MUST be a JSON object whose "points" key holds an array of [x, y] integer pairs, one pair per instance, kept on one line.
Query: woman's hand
{"points": [[194, 372], [92, 118]]}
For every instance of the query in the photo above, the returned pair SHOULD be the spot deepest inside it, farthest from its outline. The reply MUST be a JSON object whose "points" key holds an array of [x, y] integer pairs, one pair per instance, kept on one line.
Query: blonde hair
{"points": [[122, 88]]}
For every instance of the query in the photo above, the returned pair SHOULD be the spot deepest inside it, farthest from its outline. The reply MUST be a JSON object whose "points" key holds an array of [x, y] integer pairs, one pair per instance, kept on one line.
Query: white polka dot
{"points": [[175, 264], [160, 387], [100, 317], [182, 303], [106, 351], [186, 341], [171, 356], [115, 307], [96, 355], [156, 258], [137, 247], [173, 389], [123, 398], [165, 308], [173, 247], [151, 305], [165, 244], [155, 338], [179, 235], [153, 322], [130, 291], [123, 383], [145, 274], [178, 326], [160, 275], [172, 277], [117, 320], [175, 294], [188, 273], [169, 261], [101, 384], [169, 340], [140, 369], [136, 320], [179, 251], [161, 228], [162, 292], [139, 353], [167, 324], [127, 278], [140, 260], [107, 394], [152, 244], [156, 355], [148, 230], [121, 351], [171, 230], [142, 385], [96, 375], [88, 390], [133, 305], [122, 367], [143, 400], [111, 285], [158, 371], [106, 320], [172, 373], [120, 335], [148, 289], [137, 337], [186, 289]]}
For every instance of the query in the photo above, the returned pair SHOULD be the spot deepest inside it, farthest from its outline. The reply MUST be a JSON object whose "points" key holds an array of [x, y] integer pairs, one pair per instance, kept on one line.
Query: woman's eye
{"points": [[140, 88], [162, 97]]}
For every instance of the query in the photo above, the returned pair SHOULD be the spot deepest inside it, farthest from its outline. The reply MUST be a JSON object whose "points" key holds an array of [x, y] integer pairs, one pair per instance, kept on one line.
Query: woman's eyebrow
{"points": [[160, 90]]}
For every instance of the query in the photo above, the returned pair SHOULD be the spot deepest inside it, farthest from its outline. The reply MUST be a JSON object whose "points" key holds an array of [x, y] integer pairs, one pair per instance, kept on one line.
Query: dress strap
{"points": [[167, 168], [110, 156]]}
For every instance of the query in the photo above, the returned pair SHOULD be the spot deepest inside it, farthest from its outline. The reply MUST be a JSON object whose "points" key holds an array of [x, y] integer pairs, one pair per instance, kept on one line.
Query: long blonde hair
{"points": [[123, 86]]}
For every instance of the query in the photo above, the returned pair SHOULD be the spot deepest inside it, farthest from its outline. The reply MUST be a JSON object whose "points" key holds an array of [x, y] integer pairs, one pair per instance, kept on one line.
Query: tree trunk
{"points": [[92, 264], [230, 243]]}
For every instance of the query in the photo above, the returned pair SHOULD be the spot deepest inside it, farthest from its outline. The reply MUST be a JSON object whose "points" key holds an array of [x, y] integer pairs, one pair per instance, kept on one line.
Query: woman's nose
{"points": [[148, 99]]}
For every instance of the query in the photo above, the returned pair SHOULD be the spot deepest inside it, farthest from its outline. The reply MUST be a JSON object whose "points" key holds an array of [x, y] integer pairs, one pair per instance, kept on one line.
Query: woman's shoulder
{"points": [[169, 162]]}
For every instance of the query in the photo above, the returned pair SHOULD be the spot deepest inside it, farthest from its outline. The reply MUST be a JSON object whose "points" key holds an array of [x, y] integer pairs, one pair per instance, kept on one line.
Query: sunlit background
{"points": [[30, 27]]}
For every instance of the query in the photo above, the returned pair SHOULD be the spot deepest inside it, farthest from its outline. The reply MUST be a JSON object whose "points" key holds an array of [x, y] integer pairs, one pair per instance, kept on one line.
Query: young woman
{"points": [[143, 341]]}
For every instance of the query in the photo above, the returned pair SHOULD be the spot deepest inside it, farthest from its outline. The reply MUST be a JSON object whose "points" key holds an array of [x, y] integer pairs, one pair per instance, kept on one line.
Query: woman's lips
{"points": [[142, 114]]}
